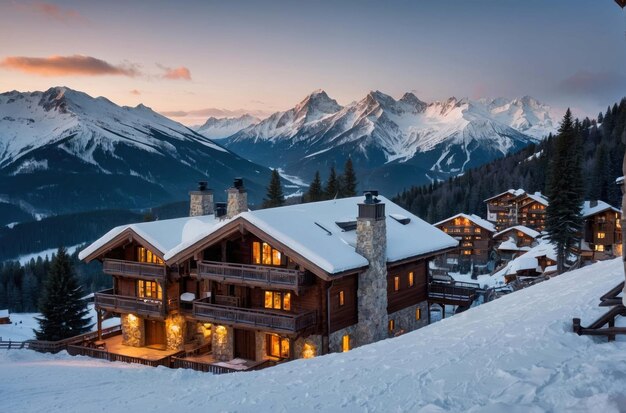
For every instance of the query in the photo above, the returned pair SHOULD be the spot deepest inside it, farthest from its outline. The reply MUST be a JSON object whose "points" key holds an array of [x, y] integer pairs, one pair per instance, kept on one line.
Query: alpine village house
{"points": [[274, 284]]}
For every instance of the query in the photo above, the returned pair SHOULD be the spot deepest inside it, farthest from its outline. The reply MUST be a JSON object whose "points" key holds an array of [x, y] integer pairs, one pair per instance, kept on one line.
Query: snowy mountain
{"points": [[515, 354], [393, 143], [63, 151], [219, 128]]}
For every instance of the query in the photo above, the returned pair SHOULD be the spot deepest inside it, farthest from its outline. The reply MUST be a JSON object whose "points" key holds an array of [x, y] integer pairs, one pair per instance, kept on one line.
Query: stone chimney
{"points": [[237, 199], [201, 201], [371, 242]]}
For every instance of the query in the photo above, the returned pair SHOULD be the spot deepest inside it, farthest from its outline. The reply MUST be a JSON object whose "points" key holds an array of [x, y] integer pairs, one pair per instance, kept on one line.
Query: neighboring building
{"points": [[540, 260], [602, 230], [4, 317], [474, 236], [502, 208], [531, 211], [514, 241], [274, 284]]}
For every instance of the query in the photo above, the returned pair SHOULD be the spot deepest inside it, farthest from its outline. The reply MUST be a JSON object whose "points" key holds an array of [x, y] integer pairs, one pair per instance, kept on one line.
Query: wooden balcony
{"points": [[462, 294], [252, 275], [107, 300], [134, 269], [256, 318]]}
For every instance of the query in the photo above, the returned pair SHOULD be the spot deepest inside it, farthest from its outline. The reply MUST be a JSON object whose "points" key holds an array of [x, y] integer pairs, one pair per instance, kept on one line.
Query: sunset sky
{"points": [[183, 58]]}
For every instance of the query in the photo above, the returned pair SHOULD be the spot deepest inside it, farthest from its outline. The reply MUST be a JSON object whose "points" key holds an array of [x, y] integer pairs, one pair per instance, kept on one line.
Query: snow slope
{"points": [[219, 128], [515, 354]]}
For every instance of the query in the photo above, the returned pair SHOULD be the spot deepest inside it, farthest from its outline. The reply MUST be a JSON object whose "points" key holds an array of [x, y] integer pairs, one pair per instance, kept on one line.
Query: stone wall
{"points": [[222, 342], [335, 339], [237, 202], [175, 332], [200, 203], [132, 330], [372, 292], [308, 347], [261, 344], [405, 319]]}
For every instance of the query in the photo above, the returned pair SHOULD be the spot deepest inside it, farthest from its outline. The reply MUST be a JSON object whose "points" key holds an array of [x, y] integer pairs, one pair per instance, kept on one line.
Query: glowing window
{"points": [[341, 298], [277, 346], [392, 325], [601, 235], [149, 289], [599, 248], [275, 257], [345, 343], [267, 254], [418, 313], [256, 252], [466, 252], [276, 300], [411, 279], [467, 230], [147, 256], [396, 283], [477, 230]]}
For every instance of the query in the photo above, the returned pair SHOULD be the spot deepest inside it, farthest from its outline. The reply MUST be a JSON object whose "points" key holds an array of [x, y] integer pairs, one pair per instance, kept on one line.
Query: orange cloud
{"points": [[75, 65], [55, 12], [135, 92], [177, 73]]}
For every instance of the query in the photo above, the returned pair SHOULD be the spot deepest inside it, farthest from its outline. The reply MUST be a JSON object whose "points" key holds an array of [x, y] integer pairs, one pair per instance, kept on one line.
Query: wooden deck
{"points": [[452, 294], [134, 269], [107, 300], [251, 275], [281, 322]]}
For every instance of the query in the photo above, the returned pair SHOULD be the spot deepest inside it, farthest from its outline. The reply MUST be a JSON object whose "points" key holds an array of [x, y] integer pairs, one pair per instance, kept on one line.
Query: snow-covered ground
{"points": [[25, 259], [515, 354], [22, 325]]}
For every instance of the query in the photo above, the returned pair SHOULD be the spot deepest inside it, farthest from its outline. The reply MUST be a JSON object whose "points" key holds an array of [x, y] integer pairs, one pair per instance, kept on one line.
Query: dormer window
{"points": [[263, 253], [147, 256]]}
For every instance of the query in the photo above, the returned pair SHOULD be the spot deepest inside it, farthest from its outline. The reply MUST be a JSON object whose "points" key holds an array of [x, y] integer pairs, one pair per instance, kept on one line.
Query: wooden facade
{"points": [[502, 209], [532, 213], [475, 241], [603, 232]]}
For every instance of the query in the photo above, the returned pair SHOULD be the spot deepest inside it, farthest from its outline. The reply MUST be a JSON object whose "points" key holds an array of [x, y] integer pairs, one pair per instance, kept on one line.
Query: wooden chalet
{"points": [[474, 235], [514, 241], [531, 211], [275, 284], [502, 208], [4, 317], [539, 260], [602, 230]]}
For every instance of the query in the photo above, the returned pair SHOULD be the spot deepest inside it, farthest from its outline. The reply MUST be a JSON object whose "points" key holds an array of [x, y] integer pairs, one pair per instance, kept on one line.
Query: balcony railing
{"points": [[247, 317], [143, 306], [134, 269], [251, 274]]}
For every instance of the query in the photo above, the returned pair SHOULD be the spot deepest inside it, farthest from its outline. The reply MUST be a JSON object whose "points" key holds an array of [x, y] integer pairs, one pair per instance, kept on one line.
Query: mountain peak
{"points": [[410, 99]]}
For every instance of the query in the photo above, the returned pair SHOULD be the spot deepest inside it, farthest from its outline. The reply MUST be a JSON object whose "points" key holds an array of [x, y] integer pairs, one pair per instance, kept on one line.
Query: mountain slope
{"points": [[219, 128], [64, 151], [392, 142]]}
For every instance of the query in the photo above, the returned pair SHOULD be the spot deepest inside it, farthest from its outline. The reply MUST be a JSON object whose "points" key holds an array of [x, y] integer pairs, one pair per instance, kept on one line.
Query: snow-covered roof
{"points": [[4, 313], [309, 229], [528, 231], [474, 218], [530, 259], [600, 206], [164, 235], [510, 245], [514, 192], [538, 196]]}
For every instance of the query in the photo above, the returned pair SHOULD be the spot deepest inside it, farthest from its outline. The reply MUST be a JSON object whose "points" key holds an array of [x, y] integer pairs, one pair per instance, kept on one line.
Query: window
{"points": [[277, 346], [599, 248], [411, 279], [467, 230], [149, 289], [147, 256], [477, 230], [392, 325], [277, 300], [466, 252], [263, 253], [477, 252], [601, 235], [396, 283], [341, 298], [445, 229], [418, 313], [345, 343]]}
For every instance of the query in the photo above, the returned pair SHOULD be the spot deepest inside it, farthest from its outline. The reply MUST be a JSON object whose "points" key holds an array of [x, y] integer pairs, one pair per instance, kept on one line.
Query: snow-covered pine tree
{"points": [[63, 311], [274, 197], [565, 191]]}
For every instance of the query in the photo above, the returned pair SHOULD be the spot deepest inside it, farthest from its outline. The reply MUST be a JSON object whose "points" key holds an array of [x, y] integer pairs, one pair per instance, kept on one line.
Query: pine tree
{"points": [[315, 192], [348, 187], [63, 311], [274, 197], [565, 191], [332, 185]]}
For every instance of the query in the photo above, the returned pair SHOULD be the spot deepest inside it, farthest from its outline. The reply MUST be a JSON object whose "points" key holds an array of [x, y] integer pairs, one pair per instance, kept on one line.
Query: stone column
{"points": [[175, 332], [132, 330], [237, 199], [371, 242], [222, 342], [201, 201]]}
